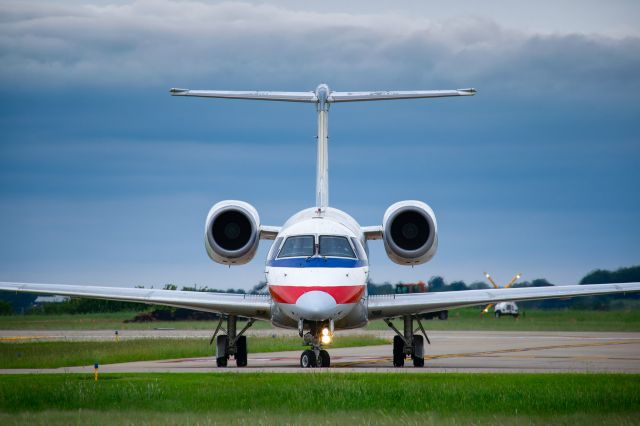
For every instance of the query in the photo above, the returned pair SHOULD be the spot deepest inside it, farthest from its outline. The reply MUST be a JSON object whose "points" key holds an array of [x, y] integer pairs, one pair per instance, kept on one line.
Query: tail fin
{"points": [[322, 97]]}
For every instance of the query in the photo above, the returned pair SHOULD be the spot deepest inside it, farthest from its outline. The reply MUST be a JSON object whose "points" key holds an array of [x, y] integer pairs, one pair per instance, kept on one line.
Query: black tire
{"points": [[418, 351], [398, 351], [443, 315], [308, 359], [325, 359], [497, 314], [241, 351], [222, 350]]}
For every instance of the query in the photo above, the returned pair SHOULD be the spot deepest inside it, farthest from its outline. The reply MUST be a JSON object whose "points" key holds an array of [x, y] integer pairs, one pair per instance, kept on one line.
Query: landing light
{"points": [[326, 336]]}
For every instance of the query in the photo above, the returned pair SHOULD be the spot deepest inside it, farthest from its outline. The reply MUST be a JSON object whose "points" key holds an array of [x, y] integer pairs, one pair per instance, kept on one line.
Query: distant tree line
{"points": [[23, 302]]}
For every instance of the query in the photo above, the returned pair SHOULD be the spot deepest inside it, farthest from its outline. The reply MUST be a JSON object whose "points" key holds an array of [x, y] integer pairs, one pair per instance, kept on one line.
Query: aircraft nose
{"points": [[316, 305]]}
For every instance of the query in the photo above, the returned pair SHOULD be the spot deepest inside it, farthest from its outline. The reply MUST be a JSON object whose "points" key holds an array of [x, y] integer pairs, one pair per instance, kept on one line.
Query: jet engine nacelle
{"points": [[410, 232], [232, 232]]}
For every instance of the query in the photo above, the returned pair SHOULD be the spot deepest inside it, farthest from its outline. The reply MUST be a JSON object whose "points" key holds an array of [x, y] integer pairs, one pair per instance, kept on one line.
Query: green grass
{"points": [[103, 321], [67, 354], [252, 417], [534, 320], [459, 319], [324, 398]]}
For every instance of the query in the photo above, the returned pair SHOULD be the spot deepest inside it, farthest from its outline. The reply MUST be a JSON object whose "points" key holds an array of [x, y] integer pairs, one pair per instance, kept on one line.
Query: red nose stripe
{"points": [[342, 294]]}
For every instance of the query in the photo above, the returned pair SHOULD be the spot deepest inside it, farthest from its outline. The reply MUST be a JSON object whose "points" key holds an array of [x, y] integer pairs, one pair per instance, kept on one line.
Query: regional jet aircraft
{"points": [[318, 264]]}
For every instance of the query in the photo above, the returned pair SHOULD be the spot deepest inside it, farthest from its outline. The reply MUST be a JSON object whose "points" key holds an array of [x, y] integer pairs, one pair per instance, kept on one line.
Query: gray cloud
{"points": [[227, 44]]}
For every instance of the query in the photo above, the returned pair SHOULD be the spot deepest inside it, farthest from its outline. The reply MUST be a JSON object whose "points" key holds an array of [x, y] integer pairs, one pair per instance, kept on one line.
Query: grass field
{"points": [[106, 321], [321, 398], [67, 354], [459, 319]]}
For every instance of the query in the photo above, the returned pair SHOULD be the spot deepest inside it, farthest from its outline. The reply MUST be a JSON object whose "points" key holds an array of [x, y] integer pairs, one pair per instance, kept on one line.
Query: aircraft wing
{"points": [[246, 305], [255, 95], [393, 305], [385, 95]]}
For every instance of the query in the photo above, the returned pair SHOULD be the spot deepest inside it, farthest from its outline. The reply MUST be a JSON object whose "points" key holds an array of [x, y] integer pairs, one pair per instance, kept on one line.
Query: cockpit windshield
{"points": [[335, 246], [298, 246]]}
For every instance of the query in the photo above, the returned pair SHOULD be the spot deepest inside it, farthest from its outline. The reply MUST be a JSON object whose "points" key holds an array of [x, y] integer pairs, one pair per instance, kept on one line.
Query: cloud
{"points": [[227, 44]]}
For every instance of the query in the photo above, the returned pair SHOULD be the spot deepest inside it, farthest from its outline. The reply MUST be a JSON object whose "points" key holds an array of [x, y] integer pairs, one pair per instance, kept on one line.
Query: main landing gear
{"points": [[408, 344], [231, 344], [318, 333]]}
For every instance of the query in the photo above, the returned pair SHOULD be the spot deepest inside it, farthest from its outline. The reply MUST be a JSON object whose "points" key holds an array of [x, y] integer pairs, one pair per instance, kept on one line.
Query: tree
{"points": [[5, 308], [457, 286], [436, 284]]}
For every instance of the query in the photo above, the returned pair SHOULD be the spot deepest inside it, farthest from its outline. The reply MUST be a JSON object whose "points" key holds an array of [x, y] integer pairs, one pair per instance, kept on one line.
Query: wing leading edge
{"points": [[246, 305], [394, 305]]}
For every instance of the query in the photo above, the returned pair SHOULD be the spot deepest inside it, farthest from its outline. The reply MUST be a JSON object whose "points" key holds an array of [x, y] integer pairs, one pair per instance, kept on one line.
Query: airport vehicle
{"points": [[506, 308], [318, 265]]}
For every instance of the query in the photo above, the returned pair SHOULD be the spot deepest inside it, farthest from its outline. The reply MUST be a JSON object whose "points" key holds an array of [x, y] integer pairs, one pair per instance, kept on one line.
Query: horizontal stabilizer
{"points": [[327, 94], [254, 95], [409, 94]]}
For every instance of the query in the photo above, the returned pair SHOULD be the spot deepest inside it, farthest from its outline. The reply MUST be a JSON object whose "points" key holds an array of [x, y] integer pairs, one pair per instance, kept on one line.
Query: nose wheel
{"points": [[315, 356], [325, 359], [308, 359]]}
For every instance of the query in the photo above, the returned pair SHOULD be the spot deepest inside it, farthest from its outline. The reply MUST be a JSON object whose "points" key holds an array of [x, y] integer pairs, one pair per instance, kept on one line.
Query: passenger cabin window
{"points": [[298, 246], [335, 247]]}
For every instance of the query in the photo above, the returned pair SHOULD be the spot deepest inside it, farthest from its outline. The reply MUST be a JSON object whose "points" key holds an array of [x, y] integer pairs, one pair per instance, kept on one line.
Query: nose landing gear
{"points": [[316, 356]]}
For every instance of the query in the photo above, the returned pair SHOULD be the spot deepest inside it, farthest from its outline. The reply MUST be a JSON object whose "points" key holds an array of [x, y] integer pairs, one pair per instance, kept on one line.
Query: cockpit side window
{"points": [[359, 249], [298, 246], [274, 248], [335, 246]]}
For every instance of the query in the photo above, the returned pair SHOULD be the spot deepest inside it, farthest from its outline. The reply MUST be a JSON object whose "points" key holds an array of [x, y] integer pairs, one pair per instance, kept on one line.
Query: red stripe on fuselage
{"points": [[342, 294]]}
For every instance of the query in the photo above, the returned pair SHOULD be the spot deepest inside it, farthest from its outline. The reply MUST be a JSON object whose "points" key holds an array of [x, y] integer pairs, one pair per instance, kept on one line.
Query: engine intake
{"points": [[410, 232], [232, 232]]}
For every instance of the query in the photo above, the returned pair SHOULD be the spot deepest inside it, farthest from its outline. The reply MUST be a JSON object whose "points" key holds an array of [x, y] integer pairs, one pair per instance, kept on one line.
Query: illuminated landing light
{"points": [[326, 336]]}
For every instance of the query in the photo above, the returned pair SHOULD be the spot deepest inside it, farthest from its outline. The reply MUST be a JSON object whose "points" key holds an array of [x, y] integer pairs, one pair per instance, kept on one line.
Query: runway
{"points": [[450, 351]]}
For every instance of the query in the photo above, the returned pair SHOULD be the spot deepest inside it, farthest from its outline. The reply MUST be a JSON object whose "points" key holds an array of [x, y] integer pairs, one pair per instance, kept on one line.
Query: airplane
{"points": [[318, 264]]}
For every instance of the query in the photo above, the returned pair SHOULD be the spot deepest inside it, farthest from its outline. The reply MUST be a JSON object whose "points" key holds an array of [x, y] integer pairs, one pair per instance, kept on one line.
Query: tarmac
{"points": [[450, 351]]}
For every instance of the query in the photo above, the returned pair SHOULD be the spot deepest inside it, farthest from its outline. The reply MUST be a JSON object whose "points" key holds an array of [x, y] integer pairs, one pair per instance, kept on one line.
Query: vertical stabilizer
{"points": [[322, 97], [322, 160]]}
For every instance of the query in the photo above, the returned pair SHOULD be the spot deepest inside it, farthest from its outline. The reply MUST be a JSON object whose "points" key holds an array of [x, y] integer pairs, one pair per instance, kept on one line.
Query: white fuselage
{"points": [[321, 281]]}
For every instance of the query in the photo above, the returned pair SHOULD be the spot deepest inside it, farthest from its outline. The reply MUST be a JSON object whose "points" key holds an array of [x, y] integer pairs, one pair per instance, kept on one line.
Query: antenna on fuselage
{"points": [[322, 97]]}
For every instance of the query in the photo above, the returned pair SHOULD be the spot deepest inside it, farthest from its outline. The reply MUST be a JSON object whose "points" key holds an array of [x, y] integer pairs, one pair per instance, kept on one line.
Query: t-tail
{"points": [[323, 97]]}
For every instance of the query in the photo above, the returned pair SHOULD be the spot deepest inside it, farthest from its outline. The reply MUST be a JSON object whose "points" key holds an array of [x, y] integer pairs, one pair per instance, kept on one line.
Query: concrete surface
{"points": [[450, 351]]}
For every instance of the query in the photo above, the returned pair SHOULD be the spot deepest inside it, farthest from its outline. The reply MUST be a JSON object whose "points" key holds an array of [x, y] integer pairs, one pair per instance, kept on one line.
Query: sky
{"points": [[106, 179]]}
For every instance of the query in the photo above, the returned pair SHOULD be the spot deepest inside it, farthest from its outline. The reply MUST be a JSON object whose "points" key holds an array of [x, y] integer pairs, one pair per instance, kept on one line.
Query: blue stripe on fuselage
{"points": [[317, 262]]}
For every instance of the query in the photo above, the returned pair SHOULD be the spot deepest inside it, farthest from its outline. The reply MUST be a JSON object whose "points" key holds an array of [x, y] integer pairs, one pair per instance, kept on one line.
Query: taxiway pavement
{"points": [[450, 351]]}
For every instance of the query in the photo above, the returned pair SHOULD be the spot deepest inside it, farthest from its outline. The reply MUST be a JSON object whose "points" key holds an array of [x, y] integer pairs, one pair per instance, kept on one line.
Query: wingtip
{"points": [[175, 91], [467, 92]]}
